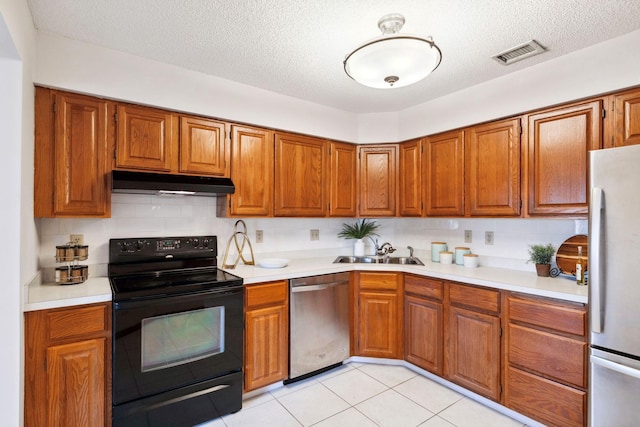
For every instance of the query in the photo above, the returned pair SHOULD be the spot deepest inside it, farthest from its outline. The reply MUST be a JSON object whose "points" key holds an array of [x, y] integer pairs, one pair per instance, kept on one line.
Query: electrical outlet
{"points": [[315, 234], [77, 239], [488, 237], [259, 236], [468, 236]]}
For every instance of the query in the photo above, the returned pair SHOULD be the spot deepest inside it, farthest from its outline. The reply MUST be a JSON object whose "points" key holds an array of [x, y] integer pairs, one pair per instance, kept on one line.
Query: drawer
{"points": [[469, 296], [378, 281], [262, 294], [544, 400], [557, 357], [424, 286], [559, 316], [73, 322]]}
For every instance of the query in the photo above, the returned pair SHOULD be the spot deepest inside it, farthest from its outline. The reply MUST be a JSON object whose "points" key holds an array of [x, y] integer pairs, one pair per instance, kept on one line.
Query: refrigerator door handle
{"points": [[613, 366], [595, 258]]}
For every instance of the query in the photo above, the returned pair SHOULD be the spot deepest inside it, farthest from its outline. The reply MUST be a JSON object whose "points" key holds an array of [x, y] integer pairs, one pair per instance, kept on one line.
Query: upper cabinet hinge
{"points": [[520, 129], [55, 106], [115, 117], [520, 203], [604, 113]]}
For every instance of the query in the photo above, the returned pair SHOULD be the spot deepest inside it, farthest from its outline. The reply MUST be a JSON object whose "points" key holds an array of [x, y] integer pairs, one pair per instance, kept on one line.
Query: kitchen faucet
{"points": [[384, 249], [410, 252]]}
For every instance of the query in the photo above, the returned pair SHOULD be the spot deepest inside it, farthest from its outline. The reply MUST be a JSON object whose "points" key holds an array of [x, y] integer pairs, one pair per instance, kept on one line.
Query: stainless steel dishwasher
{"points": [[319, 324]]}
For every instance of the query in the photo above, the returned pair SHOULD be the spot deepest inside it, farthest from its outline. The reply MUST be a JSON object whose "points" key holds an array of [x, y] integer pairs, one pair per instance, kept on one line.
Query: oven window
{"points": [[179, 338]]}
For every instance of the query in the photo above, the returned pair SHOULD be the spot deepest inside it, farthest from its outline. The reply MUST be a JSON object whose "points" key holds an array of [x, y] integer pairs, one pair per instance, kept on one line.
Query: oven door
{"points": [[170, 342]]}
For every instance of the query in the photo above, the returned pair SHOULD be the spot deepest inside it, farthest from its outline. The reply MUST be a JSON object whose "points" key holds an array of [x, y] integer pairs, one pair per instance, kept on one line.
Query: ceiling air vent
{"points": [[519, 52]]}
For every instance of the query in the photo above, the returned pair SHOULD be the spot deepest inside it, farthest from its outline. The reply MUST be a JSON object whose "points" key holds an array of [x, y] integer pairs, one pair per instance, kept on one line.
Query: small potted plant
{"points": [[541, 256], [358, 231]]}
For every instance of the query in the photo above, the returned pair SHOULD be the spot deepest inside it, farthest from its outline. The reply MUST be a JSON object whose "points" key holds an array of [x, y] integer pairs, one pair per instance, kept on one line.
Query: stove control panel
{"points": [[149, 248]]}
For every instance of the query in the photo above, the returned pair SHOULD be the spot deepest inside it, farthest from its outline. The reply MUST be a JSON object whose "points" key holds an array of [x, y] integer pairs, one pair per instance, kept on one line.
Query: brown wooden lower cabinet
{"points": [[67, 366], [378, 314], [472, 346], [266, 351], [546, 354]]}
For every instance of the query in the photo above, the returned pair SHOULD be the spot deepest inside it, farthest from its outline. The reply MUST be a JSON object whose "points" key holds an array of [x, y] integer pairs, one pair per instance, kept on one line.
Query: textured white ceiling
{"points": [[296, 47]]}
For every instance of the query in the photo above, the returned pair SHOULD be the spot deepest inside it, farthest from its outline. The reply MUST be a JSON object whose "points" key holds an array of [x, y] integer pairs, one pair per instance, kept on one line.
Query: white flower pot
{"points": [[358, 248]]}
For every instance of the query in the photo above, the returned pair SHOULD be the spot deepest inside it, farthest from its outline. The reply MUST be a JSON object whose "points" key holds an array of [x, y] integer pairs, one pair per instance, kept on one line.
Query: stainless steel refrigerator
{"points": [[614, 287]]}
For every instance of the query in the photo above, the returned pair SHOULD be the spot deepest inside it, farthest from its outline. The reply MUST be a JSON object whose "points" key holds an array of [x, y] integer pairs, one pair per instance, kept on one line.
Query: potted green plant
{"points": [[358, 231], [541, 256]]}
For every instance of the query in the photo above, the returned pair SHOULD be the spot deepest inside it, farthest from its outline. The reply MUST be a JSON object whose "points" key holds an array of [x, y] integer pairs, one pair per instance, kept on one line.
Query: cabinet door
{"points": [[473, 351], [378, 324], [300, 176], [266, 353], [423, 343], [627, 118], [251, 172], [443, 161], [147, 139], [75, 378], [492, 161], [342, 193], [558, 148], [71, 155], [203, 147], [410, 170], [377, 174]]}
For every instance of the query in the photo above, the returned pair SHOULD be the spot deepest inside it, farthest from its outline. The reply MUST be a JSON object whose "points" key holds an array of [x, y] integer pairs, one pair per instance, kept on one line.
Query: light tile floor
{"points": [[364, 395]]}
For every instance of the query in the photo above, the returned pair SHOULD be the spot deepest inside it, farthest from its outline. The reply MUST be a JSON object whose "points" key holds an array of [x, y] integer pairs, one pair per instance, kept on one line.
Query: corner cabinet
{"points": [[73, 139], [472, 336], [547, 359], [266, 351], [557, 166], [492, 164], [377, 174], [378, 315], [251, 173], [301, 165], [67, 366]]}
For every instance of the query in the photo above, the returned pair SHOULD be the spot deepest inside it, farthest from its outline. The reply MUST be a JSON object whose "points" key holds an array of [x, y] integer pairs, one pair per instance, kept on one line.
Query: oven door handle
{"points": [[137, 303]]}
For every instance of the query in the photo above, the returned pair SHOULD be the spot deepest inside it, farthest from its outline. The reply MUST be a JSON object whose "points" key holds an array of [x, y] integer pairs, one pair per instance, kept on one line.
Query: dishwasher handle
{"points": [[308, 288]]}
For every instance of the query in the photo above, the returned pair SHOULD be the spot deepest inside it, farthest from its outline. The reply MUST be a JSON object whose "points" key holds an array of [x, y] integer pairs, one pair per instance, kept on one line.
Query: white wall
{"points": [[81, 67], [605, 67], [18, 256]]}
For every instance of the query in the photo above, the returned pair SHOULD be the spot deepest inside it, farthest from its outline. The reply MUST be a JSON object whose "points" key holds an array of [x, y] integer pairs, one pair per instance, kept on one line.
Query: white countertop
{"points": [[97, 289], [499, 278], [52, 295]]}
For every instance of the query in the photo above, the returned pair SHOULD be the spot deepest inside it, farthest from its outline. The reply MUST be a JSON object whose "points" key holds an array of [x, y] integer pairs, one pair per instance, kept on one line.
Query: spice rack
{"points": [[71, 273]]}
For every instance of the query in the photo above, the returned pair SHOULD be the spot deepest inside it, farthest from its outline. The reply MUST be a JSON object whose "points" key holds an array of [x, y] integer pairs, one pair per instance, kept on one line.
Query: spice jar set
{"points": [[71, 272]]}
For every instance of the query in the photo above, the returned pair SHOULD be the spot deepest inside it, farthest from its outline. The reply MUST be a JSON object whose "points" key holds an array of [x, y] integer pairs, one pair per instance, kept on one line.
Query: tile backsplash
{"points": [[154, 216]]}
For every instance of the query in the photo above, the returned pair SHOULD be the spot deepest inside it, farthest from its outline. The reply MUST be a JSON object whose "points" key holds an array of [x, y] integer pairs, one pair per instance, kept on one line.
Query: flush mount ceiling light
{"points": [[392, 60]]}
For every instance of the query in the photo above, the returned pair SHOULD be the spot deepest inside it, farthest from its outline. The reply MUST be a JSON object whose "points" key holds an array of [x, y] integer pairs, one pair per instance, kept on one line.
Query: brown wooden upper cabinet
{"points": [[301, 165], [558, 145], [626, 118], [443, 164], [377, 179], [342, 188], [251, 173], [147, 139], [410, 177], [73, 136], [203, 147], [492, 162]]}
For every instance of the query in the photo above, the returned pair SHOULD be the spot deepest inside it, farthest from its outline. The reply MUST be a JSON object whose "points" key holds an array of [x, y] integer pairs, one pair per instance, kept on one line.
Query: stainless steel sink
{"points": [[344, 259]]}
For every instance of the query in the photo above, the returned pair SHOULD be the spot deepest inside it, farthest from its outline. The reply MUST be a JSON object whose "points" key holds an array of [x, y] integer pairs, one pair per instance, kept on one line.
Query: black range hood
{"points": [[166, 184]]}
